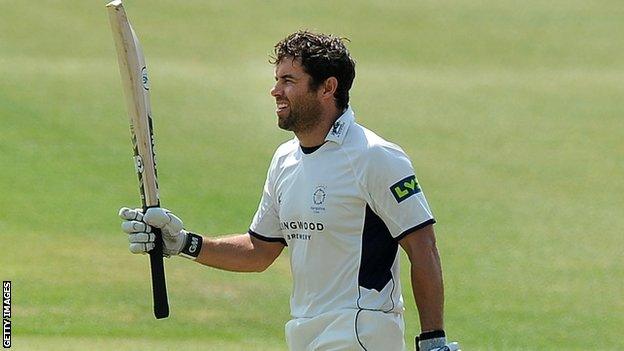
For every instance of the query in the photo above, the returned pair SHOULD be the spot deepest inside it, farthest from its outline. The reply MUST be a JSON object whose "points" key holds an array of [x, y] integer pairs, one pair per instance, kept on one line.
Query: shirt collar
{"points": [[339, 129]]}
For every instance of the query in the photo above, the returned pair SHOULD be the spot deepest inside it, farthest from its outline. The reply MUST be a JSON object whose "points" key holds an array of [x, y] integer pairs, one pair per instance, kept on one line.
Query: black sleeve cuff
{"points": [[266, 238], [415, 228]]}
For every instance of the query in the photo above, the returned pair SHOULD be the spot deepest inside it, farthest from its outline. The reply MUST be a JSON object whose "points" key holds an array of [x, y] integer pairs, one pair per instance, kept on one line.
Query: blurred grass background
{"points": [[511, 112]]}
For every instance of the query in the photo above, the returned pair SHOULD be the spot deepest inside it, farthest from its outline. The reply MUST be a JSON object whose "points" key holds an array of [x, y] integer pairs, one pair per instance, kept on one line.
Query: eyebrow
{"points": [[286, 76]]}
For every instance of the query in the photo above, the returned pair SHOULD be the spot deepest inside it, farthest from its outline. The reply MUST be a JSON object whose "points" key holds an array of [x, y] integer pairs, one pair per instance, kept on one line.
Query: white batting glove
{"points": [[141, 238], [177, 240], [448, 347], [435, 341]]}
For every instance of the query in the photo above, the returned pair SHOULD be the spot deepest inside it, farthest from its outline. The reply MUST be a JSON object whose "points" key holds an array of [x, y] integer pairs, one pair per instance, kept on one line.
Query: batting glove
{"points": [[435, 341], [139, 228]]}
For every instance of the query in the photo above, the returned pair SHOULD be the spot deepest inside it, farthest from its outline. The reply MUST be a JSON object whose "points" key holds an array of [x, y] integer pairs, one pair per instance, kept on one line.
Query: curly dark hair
{"points": [[322, 56]]}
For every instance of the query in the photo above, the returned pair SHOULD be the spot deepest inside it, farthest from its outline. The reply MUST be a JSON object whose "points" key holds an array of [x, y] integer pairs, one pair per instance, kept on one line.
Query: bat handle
{"points": [[159, 285]]}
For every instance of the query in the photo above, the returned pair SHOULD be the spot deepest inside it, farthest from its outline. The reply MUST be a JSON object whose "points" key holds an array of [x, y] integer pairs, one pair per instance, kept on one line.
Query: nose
{"points": [[274, 91]]}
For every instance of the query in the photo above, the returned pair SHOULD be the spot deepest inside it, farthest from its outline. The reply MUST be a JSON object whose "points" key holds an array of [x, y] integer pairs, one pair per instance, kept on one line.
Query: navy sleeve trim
{"points": [[266, 238], [415, 228]]}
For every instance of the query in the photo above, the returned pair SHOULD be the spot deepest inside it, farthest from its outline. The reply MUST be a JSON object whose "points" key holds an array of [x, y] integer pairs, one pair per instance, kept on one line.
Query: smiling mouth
{"points": [[281, 107]]}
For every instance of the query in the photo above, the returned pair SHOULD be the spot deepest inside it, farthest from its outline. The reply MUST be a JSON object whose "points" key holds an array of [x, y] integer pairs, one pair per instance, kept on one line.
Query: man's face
{"points": [[298, 106]]}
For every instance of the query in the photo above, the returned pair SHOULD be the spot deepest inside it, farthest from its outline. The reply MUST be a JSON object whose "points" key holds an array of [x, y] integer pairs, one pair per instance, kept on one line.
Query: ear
{"points": [[328, 88]]}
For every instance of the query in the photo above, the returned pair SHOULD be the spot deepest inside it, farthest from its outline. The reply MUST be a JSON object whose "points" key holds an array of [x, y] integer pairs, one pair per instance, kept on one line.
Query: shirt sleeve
{"points": [[395, 195], [265, 223]]}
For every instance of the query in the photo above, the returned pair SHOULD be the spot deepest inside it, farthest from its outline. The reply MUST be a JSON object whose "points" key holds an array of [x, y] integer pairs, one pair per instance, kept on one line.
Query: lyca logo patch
{"points": [[405, 188]]}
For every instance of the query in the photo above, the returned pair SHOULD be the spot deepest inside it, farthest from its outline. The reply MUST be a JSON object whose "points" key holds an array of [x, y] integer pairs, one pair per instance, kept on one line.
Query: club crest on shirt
{"points": [[318, 198], [404, 188]]}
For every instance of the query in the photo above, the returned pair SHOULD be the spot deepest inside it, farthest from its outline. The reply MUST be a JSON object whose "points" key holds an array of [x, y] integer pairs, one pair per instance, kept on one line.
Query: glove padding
{"points": [[448, 347], [435, 341], [139, 227]]}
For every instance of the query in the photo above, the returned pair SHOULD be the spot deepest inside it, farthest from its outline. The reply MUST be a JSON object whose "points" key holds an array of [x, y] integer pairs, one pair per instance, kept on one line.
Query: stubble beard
{"points": [[301, 117]]}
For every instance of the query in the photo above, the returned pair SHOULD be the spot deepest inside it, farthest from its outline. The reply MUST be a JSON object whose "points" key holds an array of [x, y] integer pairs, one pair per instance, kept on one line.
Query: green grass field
{"points": [[512, 113]]}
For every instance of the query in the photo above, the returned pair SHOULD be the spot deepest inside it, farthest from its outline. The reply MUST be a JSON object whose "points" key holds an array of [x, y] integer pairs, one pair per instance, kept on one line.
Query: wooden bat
{"points": [[136, 91]]}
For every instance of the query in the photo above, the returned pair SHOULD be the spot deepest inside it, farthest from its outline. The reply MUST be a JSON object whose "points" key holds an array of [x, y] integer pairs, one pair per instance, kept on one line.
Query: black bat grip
{"points": [[159, 285]]}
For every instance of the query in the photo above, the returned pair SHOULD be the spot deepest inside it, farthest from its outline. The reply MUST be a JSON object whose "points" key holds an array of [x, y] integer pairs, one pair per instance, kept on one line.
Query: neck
{"points": [[316, 135]]}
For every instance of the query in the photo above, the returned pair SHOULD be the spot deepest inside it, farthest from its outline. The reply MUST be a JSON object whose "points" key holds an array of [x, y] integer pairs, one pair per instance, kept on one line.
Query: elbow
{"points": [[260, 269], [261, 266]]}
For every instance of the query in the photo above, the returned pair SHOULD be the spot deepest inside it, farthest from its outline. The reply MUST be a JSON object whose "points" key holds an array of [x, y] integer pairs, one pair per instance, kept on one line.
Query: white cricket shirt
{"points": [[341, 210]]}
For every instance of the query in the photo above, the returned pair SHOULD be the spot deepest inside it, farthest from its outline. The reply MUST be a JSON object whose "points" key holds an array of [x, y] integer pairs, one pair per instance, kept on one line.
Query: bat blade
{"points": [[135, 84]]}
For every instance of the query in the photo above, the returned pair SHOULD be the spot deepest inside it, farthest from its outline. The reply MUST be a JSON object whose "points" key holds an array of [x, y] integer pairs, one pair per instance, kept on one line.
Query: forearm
{"points": [[428, 287], [236, 253]]}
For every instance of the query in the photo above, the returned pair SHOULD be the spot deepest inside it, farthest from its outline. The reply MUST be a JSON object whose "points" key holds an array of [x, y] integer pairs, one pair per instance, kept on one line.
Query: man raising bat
{"points": [[343, 200]]}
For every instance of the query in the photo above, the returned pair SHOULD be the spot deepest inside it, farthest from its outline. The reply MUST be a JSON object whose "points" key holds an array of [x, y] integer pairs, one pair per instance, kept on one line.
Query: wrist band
{"points": [[432, 334], [192, 246], [430, 339]]}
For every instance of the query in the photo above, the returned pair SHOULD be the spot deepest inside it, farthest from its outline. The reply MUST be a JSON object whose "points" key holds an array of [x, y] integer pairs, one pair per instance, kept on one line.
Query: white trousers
{"points": [[347, 330]]}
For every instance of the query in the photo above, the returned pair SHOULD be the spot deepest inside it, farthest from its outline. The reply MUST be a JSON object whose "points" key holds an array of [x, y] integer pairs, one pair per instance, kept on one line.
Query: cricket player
{"points": [[343, 200]]}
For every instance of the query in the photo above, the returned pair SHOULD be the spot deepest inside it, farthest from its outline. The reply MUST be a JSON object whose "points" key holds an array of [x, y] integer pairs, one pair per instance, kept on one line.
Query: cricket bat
{"points": [[136, 91]]}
